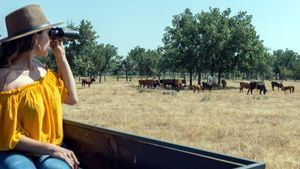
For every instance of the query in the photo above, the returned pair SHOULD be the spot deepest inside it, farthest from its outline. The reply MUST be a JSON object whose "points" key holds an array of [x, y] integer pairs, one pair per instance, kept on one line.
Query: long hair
{"points": [[10, 50]]}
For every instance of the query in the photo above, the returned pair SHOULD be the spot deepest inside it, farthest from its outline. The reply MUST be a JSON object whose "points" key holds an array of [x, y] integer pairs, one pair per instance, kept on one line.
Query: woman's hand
{"points": [[64, 154], [57, 47]]}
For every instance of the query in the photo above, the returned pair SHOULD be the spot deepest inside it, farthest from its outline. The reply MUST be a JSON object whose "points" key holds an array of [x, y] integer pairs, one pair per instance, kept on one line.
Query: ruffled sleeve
{"points": [[60, 85], [10, 127]]}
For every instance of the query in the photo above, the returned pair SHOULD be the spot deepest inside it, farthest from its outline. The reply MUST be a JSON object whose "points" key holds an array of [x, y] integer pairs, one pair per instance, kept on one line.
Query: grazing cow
{"points": [[88, 81], [243, 85], [149, 83], [224, 83], [206, 85], [196, 87], [276, 84], [174, 83], [183, 83], [179, 84], [257, 85], [290, 88]]}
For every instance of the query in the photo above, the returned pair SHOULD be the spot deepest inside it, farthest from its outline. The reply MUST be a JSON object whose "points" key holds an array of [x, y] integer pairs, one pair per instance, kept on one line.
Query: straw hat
{"points": [[25, 21]]}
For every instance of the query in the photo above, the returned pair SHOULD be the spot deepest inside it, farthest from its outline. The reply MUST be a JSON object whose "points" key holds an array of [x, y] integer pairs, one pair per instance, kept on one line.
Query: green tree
{"points": [[116, 66], [297, 69], [78, 51], [180, 42], [285, 61], [102, 58], [128, 66]]}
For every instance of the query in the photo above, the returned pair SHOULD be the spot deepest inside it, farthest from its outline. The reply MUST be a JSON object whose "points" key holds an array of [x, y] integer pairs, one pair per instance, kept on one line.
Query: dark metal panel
{"points": [[257, 165], [97, 146]]}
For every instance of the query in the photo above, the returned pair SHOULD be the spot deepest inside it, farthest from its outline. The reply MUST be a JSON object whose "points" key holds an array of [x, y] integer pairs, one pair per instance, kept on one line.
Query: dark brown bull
{"points": [[176, 84], [243, 85], [88, 81], [257, 85], [276, 84], [206, 85]]}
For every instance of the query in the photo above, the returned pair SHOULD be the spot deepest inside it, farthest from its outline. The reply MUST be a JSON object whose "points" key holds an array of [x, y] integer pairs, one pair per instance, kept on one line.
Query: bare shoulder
{"points": [[38, 63], [3, 77], [3, 73]]}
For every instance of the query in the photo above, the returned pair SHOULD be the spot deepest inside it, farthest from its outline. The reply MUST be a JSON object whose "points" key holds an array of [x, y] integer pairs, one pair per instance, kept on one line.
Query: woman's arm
{"points": [[29, 145], [65, 71]]}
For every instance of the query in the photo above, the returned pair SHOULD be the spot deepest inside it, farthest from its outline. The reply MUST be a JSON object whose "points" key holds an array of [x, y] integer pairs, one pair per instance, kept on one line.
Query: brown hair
{"points": [[9, 50]]}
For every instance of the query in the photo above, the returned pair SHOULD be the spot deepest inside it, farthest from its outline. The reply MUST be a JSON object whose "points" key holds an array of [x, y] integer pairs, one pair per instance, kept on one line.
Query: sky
{"points": [[130, 23]]}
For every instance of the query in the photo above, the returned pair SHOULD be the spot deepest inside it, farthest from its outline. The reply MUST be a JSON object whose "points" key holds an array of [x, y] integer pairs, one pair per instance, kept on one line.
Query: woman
{"points": [[31, 95]]}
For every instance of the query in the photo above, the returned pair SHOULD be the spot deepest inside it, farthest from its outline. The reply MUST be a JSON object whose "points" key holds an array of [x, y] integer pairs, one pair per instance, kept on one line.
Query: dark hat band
{"points": [[29, 29]]}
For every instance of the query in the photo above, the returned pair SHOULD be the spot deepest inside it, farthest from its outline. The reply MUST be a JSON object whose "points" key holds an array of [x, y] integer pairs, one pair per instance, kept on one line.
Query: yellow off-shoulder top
{"points": [[33, 110]]}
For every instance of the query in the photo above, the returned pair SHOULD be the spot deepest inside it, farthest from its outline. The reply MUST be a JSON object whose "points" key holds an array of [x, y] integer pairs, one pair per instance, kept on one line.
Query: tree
{"points": [[180, 42], [102, 58], [116, 66], [285, 61], [297, 69], [127, 66], [227, 41], [78, 51]]}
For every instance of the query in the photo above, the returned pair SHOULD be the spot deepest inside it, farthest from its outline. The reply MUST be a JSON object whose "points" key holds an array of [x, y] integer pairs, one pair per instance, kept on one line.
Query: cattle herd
{"points": [[262, 87], [178, 85]]}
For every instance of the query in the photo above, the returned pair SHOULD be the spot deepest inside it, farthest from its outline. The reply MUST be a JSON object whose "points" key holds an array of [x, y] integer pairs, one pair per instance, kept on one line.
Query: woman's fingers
{"points": [[75, 158], [67, 155], [74, 161], [69, 161]]}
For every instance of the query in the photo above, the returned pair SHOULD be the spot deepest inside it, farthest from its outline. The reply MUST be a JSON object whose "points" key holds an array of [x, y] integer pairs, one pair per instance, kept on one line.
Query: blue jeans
{"points": [[15, 160]]}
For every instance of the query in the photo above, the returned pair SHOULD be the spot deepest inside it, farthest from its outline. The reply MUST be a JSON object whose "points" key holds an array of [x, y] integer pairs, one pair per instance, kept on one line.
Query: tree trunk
{"points": [[199, 78], [100, 78], [219, 78], [191, 78]]}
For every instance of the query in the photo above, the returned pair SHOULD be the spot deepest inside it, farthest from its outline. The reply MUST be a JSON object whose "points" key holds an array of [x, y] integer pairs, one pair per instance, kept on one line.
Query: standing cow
{"points": [[276, 84], [257, 85]]}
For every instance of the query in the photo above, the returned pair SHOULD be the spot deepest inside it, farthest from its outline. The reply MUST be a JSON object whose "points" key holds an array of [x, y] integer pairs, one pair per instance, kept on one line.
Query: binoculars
{"points": [[60, 33]]}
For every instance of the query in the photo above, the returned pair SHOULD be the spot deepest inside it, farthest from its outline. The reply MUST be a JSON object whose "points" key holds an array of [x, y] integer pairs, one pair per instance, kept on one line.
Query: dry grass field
{"points": [[258, 127]]}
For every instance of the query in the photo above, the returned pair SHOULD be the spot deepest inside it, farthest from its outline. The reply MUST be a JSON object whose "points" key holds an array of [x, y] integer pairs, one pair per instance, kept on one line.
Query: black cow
{"points": [[176, 84], [257, 85], [276, 84], [206, 85], [224, 83]]}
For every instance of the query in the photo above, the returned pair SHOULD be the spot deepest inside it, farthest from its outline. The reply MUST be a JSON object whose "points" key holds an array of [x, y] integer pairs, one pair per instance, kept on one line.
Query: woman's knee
{"points": [[11, 160], [47, 162]]}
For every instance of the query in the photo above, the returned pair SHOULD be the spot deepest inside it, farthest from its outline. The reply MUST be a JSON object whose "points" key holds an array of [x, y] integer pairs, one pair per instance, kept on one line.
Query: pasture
{"points": [[259, 127]]}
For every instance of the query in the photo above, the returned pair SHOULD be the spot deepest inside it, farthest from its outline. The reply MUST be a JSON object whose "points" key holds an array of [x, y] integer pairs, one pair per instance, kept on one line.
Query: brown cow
{"points": [[257, 85], [244, 85], [290, 88], [276, 84], [224, 83], [88, 81], [176, 84], [196, 87], [184, 83], [149, 83]]}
